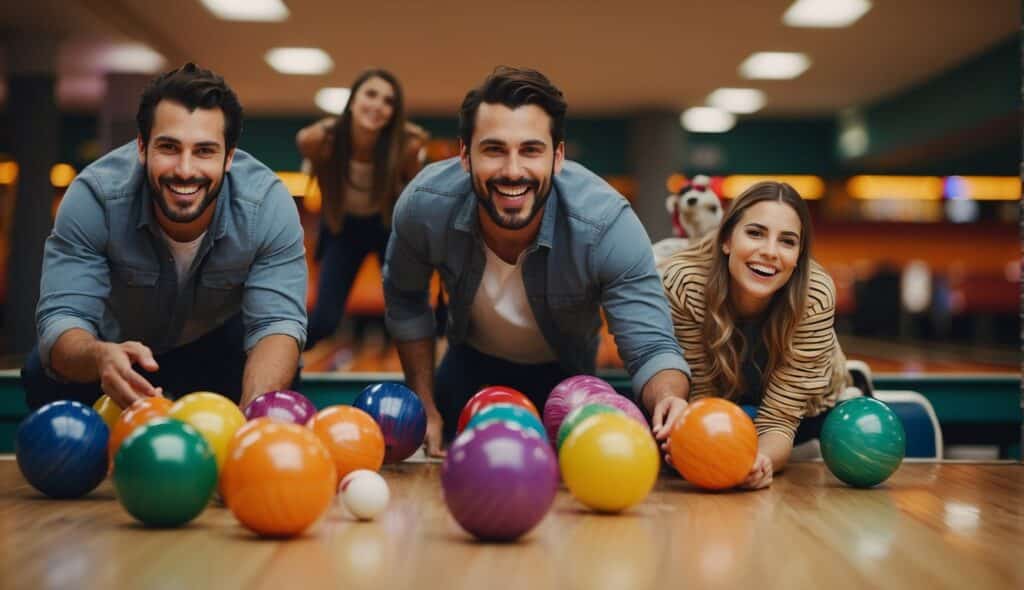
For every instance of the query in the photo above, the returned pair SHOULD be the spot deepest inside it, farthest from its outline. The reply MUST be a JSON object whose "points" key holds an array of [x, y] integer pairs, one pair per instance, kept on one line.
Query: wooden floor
{"points": [[957, 526]]}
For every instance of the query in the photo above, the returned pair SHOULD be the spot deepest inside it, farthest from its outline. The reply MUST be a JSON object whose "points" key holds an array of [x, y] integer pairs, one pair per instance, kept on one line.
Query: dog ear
{"points": [[671, 202]]}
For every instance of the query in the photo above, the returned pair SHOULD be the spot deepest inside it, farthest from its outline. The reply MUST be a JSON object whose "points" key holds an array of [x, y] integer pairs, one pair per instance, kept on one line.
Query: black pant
{"points": [[810, 427], [214, 362], [465, 370], [340, 257]]}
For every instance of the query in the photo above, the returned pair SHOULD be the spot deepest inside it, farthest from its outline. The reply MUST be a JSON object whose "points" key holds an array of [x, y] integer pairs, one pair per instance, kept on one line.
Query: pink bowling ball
{"points": [[621, 403], [567, 396]]}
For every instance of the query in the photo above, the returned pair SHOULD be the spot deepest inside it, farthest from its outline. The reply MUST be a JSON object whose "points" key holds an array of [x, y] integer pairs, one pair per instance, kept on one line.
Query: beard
{"points": [[177, 216], [483, 190]]}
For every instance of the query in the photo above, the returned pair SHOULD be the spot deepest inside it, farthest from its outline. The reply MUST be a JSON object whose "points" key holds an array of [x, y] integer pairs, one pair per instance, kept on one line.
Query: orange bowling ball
{"points": [[352, 437], [278, 478], [713, 444], [140, 412]]}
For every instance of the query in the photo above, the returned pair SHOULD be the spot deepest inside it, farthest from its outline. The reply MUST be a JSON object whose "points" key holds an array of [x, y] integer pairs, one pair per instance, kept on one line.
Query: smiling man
{"points": [[530, 248], [176, 263]]}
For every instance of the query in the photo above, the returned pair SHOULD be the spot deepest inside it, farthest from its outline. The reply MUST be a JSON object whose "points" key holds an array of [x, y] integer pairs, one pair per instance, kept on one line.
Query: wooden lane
{"points": [[932, 525]]}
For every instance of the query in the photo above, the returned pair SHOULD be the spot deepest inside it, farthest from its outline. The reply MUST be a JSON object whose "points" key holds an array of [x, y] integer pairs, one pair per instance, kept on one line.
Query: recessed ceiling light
{"points": [[299, 60], [247, 10], [737, 100], [332, 100], [829, 14], [707, 120], [774, 65], [131, 58]]}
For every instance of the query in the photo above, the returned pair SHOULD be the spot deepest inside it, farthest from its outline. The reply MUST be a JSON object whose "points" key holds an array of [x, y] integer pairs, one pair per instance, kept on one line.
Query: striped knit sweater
{"points": [[810, 377]]}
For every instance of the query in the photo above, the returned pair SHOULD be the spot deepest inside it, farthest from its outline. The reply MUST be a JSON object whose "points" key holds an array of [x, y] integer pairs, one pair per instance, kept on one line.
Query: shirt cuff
{"points": [[52, 332], [415, 328], [655, 365], [286, 327]]}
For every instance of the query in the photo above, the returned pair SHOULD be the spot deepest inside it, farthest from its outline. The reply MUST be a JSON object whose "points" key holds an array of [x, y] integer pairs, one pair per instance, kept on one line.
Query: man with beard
{"points": [[175, 264], [530, 248]]}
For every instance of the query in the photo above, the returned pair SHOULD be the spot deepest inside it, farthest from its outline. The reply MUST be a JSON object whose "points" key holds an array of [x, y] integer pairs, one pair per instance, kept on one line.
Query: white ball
{"points": [[364, 493]]}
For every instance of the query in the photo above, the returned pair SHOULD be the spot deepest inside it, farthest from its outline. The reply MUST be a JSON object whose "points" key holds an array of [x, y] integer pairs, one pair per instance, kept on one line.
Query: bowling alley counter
{"points": [[932, 525]]}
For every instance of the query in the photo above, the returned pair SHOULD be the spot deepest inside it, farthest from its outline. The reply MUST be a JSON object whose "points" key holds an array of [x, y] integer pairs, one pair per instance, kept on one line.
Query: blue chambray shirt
{"points": [[591, 252], [107, 268]]}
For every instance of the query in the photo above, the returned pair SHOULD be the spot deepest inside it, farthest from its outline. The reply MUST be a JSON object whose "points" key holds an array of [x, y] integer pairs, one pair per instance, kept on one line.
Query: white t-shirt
{"points": [[184, 253], [501, 322]]}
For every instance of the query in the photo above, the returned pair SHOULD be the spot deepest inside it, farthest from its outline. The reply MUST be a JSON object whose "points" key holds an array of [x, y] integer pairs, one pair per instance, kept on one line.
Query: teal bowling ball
{"points": [[165, 473], [579, 415], [510, 413], [863, 442]]}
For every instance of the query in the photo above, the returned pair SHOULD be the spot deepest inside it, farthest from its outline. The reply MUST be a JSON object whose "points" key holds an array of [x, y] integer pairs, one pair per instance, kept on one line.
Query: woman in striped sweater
{"points": [[755, 317]]}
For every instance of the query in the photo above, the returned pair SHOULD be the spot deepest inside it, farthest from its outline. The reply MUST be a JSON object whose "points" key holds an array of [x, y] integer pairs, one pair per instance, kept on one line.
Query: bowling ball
{"points": [[108, 410], [496, 394], [511, 412], [862, 442], [278, 478], [578, 415], [400, 415], [213, 415], [61, 449], [566, 397], [140, 412], [166, 473], [351, 436], [713, 444], [499, 480], [621, 403], [283, 406], [609, 462]]}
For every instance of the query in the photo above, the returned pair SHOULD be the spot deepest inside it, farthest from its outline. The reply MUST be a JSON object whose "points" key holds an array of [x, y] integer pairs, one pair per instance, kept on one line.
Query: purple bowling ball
{"points": [[619, 402], [566, 397], [281, 406], [499, 480]]}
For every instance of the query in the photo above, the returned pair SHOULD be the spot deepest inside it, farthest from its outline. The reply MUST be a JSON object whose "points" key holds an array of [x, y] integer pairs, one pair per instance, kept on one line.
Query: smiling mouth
{"points": [[512, 193], [184, 190], [763, 270]]}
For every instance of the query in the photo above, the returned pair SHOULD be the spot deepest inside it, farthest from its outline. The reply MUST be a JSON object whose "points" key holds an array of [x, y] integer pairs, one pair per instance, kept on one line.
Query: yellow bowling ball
{"points": [[609, 462], [108, 410], [214, 416]]}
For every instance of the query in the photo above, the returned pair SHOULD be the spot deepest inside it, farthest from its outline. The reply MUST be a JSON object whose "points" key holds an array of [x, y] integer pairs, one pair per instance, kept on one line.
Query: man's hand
{"points": [[118, 379], [666, 413], [433, 439], [760, 475]]}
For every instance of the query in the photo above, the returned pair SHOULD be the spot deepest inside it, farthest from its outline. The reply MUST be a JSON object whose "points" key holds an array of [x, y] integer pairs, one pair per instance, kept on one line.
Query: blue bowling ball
{"points": [[400, 415], [62, 449]]}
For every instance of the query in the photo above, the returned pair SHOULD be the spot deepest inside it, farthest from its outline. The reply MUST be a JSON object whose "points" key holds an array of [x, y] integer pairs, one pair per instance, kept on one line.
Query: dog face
{"points": [[696, 209]]}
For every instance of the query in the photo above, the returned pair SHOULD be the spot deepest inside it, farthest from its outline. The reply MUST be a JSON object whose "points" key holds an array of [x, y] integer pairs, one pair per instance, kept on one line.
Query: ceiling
{"points": [[607, 56]]}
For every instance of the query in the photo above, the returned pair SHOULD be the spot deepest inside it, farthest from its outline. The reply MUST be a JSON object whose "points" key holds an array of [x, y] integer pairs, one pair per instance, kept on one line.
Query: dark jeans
{"points": [[465, 370], [340, 257], [215, 362]]}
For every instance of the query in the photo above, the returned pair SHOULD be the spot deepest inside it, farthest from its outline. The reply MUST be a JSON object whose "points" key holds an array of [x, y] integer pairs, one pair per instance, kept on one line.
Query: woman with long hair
{"points": [[361, 159], [755, 317]]}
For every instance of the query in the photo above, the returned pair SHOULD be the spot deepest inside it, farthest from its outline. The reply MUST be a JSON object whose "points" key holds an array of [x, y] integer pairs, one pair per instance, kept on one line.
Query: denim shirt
{"points": [[107, 268], [591, 252]]}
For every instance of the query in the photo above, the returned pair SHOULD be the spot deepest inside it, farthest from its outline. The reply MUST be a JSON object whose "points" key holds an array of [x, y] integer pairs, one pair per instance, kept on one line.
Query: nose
{"points": [[184, 167], [691, 201], [771, 249], [513, 167]]}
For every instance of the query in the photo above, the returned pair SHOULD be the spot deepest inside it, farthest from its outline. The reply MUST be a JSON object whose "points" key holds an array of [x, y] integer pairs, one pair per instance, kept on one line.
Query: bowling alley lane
{"points": [[946, 525]]}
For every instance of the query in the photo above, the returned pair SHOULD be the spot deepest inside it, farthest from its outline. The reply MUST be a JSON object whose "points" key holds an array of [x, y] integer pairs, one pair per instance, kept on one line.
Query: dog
{"points": [[696, 212]]}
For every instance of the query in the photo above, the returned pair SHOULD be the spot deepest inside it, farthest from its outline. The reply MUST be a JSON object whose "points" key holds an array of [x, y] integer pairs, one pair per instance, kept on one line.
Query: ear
{"points": [[142, 149], [464, 155], [228, 159], [727, 246], [559, 157], [670, 203]]}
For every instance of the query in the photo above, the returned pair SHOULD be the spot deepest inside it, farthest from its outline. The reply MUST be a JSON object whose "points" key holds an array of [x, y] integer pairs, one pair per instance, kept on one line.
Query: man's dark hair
{"points": [[195, 88], [514, 87]]}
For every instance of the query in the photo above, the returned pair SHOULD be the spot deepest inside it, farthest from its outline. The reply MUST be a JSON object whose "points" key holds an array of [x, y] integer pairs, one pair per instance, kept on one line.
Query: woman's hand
{"points": [[760, 475]]}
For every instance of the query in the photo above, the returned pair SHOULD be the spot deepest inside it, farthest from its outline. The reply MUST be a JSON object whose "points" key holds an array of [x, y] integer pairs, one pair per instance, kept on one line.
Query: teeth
{"points": [[518, 194], [186, 189], [762, 269]]}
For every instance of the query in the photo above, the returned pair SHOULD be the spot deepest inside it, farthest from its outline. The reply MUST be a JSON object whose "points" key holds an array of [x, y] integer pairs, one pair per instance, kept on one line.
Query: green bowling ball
{"points": [[509, 413], [165, 473], [862, 442], [579, 415]]}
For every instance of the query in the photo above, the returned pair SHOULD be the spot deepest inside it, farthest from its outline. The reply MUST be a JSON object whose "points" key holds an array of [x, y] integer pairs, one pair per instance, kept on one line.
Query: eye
{"points": [[754, 232], [713, 208], [390, 101]]}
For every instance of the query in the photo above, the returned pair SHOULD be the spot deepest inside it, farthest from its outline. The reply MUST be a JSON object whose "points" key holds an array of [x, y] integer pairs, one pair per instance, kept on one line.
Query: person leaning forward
{"points": [[176, 263], [530, 248]]}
